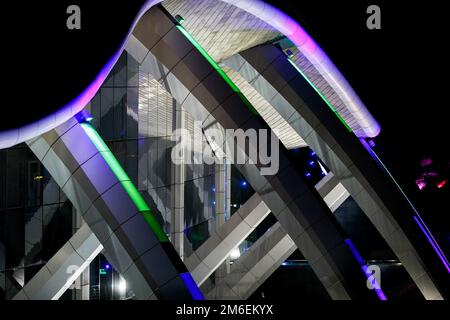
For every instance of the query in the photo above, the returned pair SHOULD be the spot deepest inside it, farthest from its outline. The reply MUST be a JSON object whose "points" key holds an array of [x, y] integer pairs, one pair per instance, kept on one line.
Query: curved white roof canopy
{"points": [[227, 27]]}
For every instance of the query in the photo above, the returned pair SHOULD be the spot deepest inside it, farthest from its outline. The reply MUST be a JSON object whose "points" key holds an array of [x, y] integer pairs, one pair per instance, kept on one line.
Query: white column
{"points": [[223, 202], [64, 267], [214, 251], [82, 284], [178, 178]]}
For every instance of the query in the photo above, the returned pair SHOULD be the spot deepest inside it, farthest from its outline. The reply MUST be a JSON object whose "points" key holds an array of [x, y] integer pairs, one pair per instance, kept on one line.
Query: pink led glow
{"points": [[426, 162], [421, 184], [432, 174], [441, 184]]}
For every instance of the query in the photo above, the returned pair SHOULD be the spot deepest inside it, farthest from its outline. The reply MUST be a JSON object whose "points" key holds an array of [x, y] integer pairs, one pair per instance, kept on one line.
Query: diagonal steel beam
{"points": [[254, 267], [281, 82], [197, 82], [64, 267], [265, 256], [98, 187], [213, 252]]}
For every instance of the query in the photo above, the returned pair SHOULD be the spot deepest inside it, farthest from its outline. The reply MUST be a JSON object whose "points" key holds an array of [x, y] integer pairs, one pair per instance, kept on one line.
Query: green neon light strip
{"points": [[321, 95], [122, 176], [218, 69]]}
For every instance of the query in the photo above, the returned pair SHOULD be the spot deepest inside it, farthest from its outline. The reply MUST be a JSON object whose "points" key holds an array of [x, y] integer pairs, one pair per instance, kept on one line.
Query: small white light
{"points": [[235, 254], [122, 287]]}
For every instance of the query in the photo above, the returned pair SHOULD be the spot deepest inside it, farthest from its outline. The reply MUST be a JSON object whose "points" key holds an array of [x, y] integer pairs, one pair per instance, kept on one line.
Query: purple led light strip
{"points": [[363, 265], [417, 218], [12, 137], [272, 16], [312, 51], [432, 242]]}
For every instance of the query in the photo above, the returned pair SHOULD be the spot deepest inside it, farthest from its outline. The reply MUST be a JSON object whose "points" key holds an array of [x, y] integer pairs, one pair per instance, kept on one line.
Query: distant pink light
{"points": [[426, 162], [421, 184], [432, 174], [441, 184]]}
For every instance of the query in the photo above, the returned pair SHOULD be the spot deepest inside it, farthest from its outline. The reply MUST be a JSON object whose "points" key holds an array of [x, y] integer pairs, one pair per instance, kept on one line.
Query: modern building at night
{"points": [[92, 205]]}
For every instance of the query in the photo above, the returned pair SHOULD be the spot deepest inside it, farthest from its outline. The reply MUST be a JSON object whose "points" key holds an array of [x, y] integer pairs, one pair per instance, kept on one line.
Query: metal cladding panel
{"points": [[217, 88], [115, 211], [356, 169]]}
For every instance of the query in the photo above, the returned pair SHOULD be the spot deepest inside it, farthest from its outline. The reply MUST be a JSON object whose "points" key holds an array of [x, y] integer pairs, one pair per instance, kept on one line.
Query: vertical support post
{"points": [[178, 176], [82, 284], [223, 201]]}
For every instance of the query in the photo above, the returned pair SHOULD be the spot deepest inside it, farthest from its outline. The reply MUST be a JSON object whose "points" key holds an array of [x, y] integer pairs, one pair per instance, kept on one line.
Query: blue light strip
{"points": [[363, 265], [433, 244], [191, 286]]}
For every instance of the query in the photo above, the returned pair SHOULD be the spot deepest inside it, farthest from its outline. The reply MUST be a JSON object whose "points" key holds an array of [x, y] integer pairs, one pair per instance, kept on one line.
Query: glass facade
{"points": [[136, 117], [35, 218]]}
